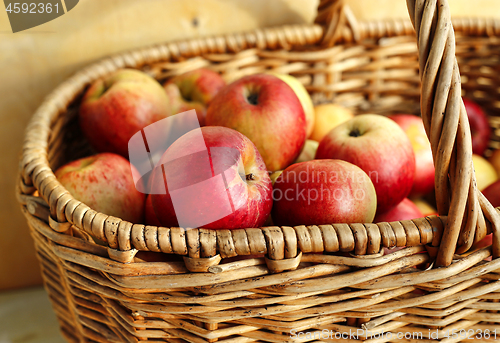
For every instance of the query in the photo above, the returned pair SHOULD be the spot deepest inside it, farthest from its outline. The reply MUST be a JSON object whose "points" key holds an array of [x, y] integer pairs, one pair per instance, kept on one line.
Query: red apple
{"points": [[413, 126], [149, 213], [213, 177], [479, 126], [116, 107], [266, 110], [486, 241], [380, 147], [405, 210], [492, 193], [194, 90], [104, 182], [147, 146], [323, 192]]}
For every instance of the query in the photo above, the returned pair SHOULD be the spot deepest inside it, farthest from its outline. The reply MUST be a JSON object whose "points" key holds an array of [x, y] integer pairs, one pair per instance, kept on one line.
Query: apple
{"points": [[328, 116], [274, 175], [492, 193], [413, 126], [486, 241], [479, 126], [323, 192], [424, 207], [405, 210], [267, 111], [149, 213], [117, 106], [146, 147], [494, 159], [380, 147], [304, 97], [194, 90], [212, 177], [485, 172], [104, 182], [308, 151]]}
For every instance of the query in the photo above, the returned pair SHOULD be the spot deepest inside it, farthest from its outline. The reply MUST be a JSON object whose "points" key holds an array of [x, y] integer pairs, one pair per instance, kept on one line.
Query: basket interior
{"points": [[378, 76]]}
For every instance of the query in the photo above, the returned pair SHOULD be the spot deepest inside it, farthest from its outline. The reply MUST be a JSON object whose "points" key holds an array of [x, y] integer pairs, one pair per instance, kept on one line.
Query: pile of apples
{"points": [[263, 155]]}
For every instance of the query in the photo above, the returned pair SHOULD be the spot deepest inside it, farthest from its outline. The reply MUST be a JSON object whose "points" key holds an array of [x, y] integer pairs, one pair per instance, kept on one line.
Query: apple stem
{"points": [[250, 177], [253, 98], [355, 133]]}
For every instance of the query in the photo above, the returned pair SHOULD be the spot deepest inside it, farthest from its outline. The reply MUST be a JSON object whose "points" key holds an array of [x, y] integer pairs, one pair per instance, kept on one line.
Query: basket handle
{"points": [[338, 21], [340, 24], [447, 126], [470, 215]]}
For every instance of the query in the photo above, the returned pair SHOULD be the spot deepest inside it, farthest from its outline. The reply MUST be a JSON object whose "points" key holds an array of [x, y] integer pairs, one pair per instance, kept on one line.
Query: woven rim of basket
{"points": [[284, 242]]}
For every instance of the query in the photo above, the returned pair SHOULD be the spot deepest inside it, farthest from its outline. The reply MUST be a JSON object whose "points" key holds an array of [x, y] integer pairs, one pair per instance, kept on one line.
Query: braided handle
{"points": [[338, 20], [340, 24], [447, 126]]}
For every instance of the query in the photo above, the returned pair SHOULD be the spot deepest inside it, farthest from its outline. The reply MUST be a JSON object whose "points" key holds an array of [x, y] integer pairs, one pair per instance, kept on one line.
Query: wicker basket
{"points": [[111, 294]]}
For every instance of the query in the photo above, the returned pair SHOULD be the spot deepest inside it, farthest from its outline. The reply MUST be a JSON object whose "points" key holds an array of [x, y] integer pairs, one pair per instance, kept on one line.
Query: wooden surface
{"points": [[380, 9], [26, 316], [35, 61]]}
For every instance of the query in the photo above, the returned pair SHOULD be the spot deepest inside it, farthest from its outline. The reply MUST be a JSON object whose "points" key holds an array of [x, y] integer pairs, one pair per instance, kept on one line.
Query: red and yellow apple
{"points": [[327, 117], [479, 126], [424, 164], [380, 147], [405, 210], [304, 97], [194, 90], [117, 106], [213, 177], [104, 182], [323, 192], [267, 111]]}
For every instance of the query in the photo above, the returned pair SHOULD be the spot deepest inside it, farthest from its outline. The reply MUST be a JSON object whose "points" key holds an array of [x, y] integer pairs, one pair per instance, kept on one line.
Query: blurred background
{"points": [[35, 61]]}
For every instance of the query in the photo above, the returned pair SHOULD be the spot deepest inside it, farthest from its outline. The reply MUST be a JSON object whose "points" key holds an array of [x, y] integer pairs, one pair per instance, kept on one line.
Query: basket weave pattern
{"points": [[111, 294]]}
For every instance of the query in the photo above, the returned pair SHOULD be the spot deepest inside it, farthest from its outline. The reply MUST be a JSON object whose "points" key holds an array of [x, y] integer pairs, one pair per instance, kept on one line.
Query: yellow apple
{"points": [[485, 172], [328, 116], [303, 96], [308, 152], [424, 207], [495, 160], [274, 175]]}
